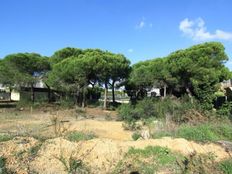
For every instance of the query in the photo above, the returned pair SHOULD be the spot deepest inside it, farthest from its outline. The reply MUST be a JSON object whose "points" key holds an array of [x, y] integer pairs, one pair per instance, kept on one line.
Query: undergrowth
{"points": [[79, 136], [207, 132], [5, 137], [147, 161], [226, 166]]}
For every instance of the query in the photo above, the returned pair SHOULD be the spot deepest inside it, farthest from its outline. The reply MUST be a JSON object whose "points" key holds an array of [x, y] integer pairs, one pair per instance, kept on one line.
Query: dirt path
{"points": [[102, 129]]}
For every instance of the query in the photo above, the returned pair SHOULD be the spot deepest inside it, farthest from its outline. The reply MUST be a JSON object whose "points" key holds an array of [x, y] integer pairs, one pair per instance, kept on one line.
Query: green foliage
{"points": [[195, 71], [80, 136], [66, 103], [226, 166], [225, 111], [136, 136], [148, 160], [26, 67], [65, 53], [175, 110], [144, 109], [198, 163], [3, 165], [5, 137], [73, 165], [191, 65], [206, 132], [34, 150], [73, 70]]}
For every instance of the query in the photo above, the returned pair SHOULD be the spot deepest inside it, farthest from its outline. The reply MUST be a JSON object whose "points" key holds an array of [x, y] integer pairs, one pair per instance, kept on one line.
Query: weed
{"points": [[73, 166], [136, 136], [3, 165], [195, 163], [148, 160], [226, 166], [34, 150], [207, 132], [79, 136], [5, 137], [58, 125]]}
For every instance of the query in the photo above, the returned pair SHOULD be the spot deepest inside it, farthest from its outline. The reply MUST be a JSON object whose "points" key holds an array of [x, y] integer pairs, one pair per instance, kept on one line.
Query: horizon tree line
{"points": [[195, 71]]}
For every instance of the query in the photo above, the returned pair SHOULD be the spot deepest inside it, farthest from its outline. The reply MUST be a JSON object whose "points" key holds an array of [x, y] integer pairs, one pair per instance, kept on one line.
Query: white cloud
{"points": [[197, 30], [130, 50], [143, 24]]}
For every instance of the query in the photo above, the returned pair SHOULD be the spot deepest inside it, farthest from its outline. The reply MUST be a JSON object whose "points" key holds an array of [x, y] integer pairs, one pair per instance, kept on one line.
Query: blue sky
{"points": [[140, 29]]}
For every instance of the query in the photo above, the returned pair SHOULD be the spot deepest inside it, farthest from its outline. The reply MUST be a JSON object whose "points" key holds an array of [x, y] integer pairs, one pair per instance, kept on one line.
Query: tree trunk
{"points": [[10, 93], [49, 93], [105, 96], [189, 94], [113, 95], [165, 91], [32, 94], [83, 98]]}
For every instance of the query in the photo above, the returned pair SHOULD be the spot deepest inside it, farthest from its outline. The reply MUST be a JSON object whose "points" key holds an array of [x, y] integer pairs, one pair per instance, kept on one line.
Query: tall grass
{"points": [[206, 132]]}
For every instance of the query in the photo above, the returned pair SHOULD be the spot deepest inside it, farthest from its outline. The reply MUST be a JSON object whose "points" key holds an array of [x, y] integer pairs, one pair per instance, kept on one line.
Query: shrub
{"points": [[34, 150], [3, 165], [198, 163], [148, 160], [136, 136], [74, 165], [79, 136], [144, 109], [206, 132], [226, 166], [225, 111], [5, 137], [66, 103]]}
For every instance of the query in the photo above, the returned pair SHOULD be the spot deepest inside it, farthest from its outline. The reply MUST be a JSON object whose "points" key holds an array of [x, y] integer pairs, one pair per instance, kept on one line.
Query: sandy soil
{"points": [[100, 154]]}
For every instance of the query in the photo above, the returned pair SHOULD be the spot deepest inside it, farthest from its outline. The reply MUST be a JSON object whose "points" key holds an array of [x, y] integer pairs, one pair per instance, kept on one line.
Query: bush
{"points": [[136, 136], [5, 137], [66, 103], [226, 166], [148, 160], [144, 109], [225, 111], [79, 136], [206, 132], [198, 163], [3, 165], [179, 111]]}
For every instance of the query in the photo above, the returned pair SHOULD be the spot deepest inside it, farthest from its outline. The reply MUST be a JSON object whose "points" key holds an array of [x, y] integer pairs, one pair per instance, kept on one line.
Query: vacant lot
{"points": [[86, 141]]}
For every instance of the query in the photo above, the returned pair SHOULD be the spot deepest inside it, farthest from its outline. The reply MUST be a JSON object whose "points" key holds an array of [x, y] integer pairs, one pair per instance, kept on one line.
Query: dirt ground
{"points": [[100, 154]]}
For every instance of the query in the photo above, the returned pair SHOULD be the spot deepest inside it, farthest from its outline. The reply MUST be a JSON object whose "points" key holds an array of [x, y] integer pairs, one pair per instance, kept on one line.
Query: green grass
{"points": [[147, 161], [207, 132], [79, 136], [2, 165], [226, 166], [5, 137]]}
